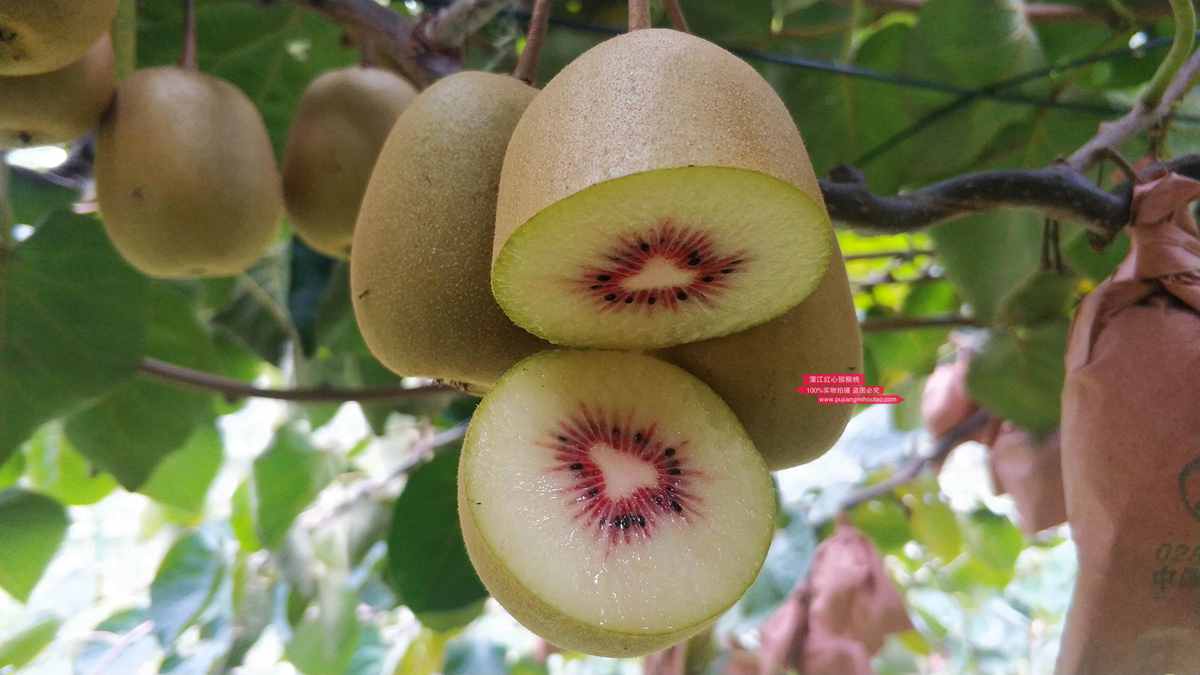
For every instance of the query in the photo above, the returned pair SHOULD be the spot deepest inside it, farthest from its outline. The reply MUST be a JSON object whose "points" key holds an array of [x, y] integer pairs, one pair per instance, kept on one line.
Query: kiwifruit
{"points": [[757, 371], [186, 175], [656, 192], [612, 502], [419, 271], [339, 129], [38, 36], [58, 106]]}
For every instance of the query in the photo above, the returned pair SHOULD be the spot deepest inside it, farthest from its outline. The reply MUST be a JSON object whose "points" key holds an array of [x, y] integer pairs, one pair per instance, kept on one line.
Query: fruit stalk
{"points": [[188, 58], [526, 70], [124, 38], [1181, 48], [639, 14], [675, 11]]}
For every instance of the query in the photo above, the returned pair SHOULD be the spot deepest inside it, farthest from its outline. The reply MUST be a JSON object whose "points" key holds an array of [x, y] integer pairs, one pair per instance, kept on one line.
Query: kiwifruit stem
{"points": [[1181, 49], [639, 14], [675, 11], [526, 70], [124, 38], [188, 58]]}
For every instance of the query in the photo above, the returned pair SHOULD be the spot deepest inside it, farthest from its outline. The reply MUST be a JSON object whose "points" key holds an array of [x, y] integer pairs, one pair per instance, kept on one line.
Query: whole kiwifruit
{"points": [[186, 175], [757, 371], [58, 106], [38, 36], [419, 270], [339, 129], [657, 192]]}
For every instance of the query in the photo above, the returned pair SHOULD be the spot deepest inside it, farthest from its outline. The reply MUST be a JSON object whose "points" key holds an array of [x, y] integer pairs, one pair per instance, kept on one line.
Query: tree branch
{"points": [[194, 379]]}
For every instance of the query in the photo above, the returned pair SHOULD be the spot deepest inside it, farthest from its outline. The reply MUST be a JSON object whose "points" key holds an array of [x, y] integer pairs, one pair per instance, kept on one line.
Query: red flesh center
{"points": [[700, 272], [652, 487]]}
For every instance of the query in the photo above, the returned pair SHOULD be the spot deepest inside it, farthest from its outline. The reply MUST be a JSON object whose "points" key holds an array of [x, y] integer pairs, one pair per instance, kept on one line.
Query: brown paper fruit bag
{"points": [[1131, 450], [1030, 469]]}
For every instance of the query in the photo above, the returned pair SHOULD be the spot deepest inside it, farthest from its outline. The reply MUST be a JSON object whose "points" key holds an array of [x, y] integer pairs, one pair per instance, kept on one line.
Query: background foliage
{"points": [[148, 528]]}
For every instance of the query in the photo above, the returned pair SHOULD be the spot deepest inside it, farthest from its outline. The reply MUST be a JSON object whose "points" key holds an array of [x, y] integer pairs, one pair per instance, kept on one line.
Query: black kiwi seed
{"points": [[577, 467], [669, 452], [676, 507], [644, 246], [708, 280], [616, 431], [593, 492], [727, 270], [603, 277], [651, 300], [629, 299], [638, 437], [681, 295], [610, 297], [641, 520], [562, 439], [675, 472], [595, 287]]}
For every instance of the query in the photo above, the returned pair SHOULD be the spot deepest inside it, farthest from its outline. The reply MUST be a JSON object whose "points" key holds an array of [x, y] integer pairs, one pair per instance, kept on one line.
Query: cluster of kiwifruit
{"points": [[636, 267], [655, 197]]}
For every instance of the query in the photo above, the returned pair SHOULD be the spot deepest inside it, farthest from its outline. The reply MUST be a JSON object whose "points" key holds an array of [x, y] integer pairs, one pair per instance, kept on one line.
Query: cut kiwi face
{"points": [[657, 192], [612, 502]]}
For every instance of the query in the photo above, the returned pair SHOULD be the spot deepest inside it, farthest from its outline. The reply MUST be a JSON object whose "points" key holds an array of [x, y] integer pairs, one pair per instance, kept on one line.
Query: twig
{"points": [[675, 11], [907, 254], [231, 388], [188, 58], [916, 323], [451, 26], [421, 452], [114, 652], [639, 15], [526, 69], [1181, 48], [911, 471], [1142, 117]]}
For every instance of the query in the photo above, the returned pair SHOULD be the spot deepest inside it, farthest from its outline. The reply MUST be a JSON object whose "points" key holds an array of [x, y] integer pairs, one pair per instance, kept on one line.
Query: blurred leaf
{"points": [[370, 654], [184, 585], [114, 433], [1010, 243], [57, 469], [915, 642], [425, 654], [32, 527], [936, 527], [311, 276], [425, 528], [467, 656], [122, 643], [10, 471], [72, 324], [325, 643], [885, 521], [182, 479], [787, 563], [1019, 375], [1044, 296], [252, 605], [24, 646], [994, 540], [242, 519], [1095, 265], [257, 314], [731, 21], [33, 199], [287, 478]]}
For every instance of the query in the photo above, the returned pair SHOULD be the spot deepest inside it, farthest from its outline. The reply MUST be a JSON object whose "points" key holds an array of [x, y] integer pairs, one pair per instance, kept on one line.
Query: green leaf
{"points": [[468, 656], [1095, 265], [885, 521], [71, 324], [994, 540], [11, 471], [57, 469], [114, 434], [287, 478], [33, 199], [1019, 375], [242, 519], [427, 559], [325, 643], [935, 526], [184, 585], [370, 653], [252, 605], [122, 643], [425, 654], [182, 479], [25, 645], [32, 527], [1044, 296], [1012, 241], [257, 314], [787, 563]]}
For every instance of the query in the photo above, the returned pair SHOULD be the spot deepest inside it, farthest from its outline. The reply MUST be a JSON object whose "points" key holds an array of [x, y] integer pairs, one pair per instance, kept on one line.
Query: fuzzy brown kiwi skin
{"points": [[420, 268], [340, 126], [756, 371], [186, 175], [40, 36], [58, 106], [598, 102]]}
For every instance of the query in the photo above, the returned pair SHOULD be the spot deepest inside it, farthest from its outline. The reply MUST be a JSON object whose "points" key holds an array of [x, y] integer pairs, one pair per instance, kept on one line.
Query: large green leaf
{"points": [[32, 527], [935, 526], [987, 255], [427, 559], [24, 646], [71, 324], [1018, 375], [287, 478], [184, 585], [11, 471], [325, 643], [994, 541], [33, 199], [182, 479], [57, 469]]}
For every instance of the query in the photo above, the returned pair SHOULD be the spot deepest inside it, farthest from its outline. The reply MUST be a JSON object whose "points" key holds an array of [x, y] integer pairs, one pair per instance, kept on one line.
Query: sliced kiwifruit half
{"points": [[656, 192], [612, 502]]}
